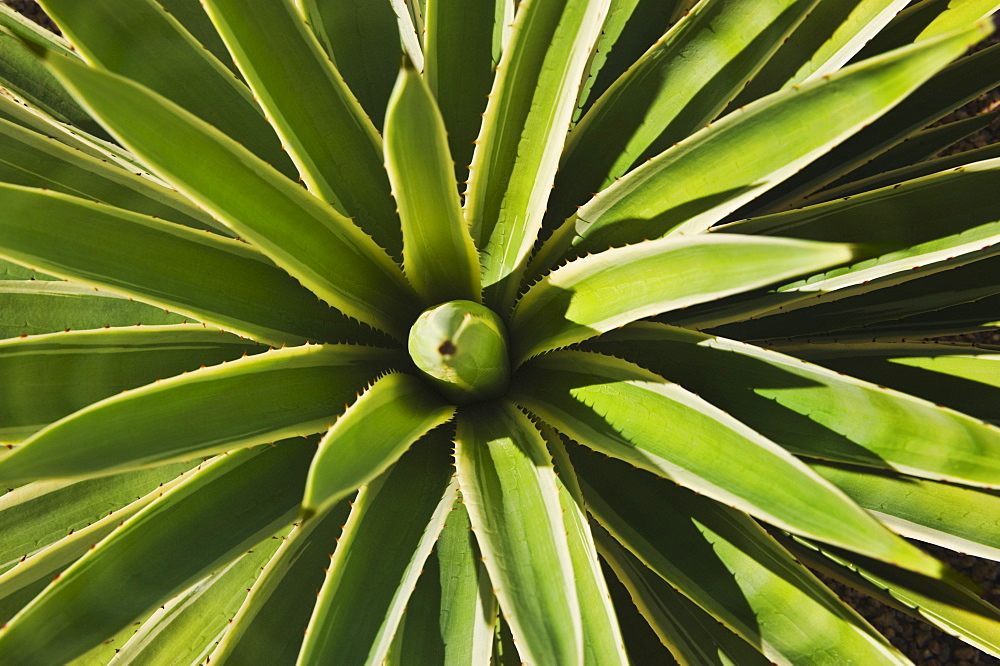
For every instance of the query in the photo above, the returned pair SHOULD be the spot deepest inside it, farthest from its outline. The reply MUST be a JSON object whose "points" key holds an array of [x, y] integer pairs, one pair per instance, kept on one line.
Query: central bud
{"points": [[462, 347]]}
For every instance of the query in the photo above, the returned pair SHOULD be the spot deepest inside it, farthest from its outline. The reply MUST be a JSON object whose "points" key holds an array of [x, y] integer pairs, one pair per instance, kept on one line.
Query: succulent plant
{"points": [[283, 380]]}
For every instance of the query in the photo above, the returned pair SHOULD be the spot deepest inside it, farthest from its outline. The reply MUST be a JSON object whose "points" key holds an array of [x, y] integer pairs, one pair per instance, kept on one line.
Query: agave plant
{"points": [[285, 381]]}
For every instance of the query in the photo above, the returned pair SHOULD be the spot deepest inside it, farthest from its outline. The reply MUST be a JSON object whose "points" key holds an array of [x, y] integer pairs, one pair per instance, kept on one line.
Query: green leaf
{"points": [[370, 436], [165, 58], [816, 412], [951, 516], [971, 317], [921, 221], [969, 384], [526, 119], [512, 495], [359, 36], [691, 186], [918, 147], [31, 307], [643, 644], [418, 638], [52, 376], [630, 29], [17, 112], [602, 638], [802, 310], [408, 30], [724, 562], [268, 628], [912, 213], [692, 635], [188, 625], [450, 617], [13, 271], [194, 19], [923, 20], [26, 579], [935, 97], [463, 42], [21, 72], [953, 609], [162, 264], [821, 43], [504, 651], [632, 414], [677, 87], [468, 610], [295, 229], [255, 400], [439, 256], [334, 145], [905, 173], [393, 525], [231, 504], [984, 369], [39, 514], [30, 159], [604, 291]]}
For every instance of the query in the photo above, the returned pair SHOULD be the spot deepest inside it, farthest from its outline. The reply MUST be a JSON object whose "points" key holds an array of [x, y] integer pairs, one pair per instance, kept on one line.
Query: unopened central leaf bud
{"points": [[462, 347]]}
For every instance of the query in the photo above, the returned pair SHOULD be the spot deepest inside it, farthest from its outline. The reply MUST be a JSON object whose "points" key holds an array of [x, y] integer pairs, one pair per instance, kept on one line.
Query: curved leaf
{"points": [[724, 562], [33, 573], [832, 33], [518, 149], [953, 609], [913, 153], [163, 264], [439, 256], [630, 29], [451, 616], [926, 19], [816, 412], [951, 516], [164, 57], [51, 376], [295, 229], [868, 308], [969, 384], [359, 36], [463, 42], [269, 626], [677, 87], [632, 414], [370, 436], [256, 400], [21, 72], [602, 638], [187, 626], [512, 495], [30, 159], [32, 307], [334, 145], [20, 113], [691, 186], [192, 16], [604, 291], [38, 514], [911, 213], [691, 634], [938, 95], [393, 525], [230, 504]]}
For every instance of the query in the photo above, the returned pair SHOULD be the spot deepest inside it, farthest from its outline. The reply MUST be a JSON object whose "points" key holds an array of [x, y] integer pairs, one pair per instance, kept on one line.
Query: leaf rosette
{"points": [[278, 315]]}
